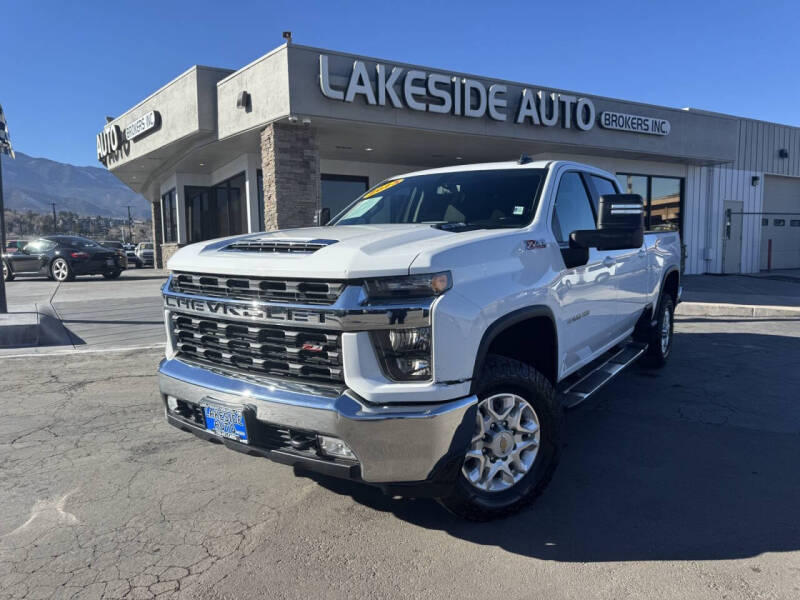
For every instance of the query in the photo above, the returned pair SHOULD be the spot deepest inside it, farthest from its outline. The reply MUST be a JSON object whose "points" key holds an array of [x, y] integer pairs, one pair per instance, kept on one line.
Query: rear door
{"points": [[586, 294], [630, 267]]}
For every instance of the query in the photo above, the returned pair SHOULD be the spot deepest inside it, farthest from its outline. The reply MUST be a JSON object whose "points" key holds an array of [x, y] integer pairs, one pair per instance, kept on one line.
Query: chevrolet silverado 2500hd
{"points": [[428, 338]]}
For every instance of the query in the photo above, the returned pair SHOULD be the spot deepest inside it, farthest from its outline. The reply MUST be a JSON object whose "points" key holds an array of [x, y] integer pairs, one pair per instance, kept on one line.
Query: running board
{"points": [[601, 374]]}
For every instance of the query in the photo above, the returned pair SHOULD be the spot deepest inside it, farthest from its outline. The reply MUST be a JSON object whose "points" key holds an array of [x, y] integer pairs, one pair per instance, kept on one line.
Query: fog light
{"points": [[332, 446], [172, 403]]}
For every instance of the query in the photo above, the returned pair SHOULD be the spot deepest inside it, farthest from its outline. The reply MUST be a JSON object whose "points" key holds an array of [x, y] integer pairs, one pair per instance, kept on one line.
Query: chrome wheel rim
{"points": [[60, 270], [666, 331], [504, 445]]}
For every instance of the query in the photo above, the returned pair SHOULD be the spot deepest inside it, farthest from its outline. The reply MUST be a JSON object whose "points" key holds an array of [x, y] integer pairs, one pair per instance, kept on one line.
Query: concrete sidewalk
{"points": [[775, 294]]}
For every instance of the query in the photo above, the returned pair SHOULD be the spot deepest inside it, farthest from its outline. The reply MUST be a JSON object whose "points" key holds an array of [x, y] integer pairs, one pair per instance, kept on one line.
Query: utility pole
{"points": [[55, 223], [3, 303], [130, 225]]}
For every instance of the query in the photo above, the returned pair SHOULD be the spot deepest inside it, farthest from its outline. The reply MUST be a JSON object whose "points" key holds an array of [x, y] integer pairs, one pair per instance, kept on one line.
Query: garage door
{"points": [[780, 223]]}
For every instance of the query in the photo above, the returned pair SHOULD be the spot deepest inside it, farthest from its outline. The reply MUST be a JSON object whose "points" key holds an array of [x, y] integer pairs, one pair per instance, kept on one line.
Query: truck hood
{"points": [[348, 252]]}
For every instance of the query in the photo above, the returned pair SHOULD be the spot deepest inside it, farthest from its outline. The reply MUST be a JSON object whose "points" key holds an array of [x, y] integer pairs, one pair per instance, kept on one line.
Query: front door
{"points": [[586, 294], [29, 259], [732, 236]]}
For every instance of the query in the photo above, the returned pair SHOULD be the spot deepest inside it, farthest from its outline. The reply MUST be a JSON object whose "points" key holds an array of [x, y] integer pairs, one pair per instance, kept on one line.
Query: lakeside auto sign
{"points": [[464, 97], [113, 141]]}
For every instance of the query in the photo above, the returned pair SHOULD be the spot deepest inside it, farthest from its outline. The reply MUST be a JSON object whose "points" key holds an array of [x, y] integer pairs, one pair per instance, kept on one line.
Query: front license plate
{"points": [[110, 262], [226, 422]]}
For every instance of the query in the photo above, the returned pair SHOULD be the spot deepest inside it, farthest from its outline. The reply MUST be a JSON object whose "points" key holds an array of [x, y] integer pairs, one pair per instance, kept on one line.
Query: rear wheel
{"points": [[8, 275], [515, 445], [61, 271], [659, 338]]}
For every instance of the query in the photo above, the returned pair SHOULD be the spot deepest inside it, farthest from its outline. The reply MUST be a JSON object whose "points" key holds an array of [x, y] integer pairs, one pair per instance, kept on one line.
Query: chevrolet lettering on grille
{"points": [[260, 313]]}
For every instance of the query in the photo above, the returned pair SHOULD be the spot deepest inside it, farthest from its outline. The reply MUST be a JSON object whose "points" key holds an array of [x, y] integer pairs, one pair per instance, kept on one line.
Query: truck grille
{"points": [[254, 288], [255, 349]]}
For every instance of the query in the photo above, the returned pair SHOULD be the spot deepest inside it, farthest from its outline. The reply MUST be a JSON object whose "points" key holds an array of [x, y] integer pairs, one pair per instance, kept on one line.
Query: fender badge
{"points": [[535, 244]]}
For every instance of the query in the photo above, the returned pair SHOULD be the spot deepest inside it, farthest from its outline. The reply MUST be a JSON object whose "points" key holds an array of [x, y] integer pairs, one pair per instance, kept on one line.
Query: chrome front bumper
{"points": [[393, 444]]}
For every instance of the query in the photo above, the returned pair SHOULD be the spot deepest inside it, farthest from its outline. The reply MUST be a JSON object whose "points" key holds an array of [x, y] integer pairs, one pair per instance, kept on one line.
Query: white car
{"points": [[144, 252], [427, 339]]}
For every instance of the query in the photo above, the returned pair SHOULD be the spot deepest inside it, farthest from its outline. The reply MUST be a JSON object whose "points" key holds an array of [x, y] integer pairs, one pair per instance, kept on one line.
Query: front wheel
{"points": [[61, 271], [8, 275], [515, 445]]}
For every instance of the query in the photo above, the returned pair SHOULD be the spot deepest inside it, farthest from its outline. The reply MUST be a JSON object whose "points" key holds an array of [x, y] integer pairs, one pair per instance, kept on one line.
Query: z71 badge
{"points": [[535, 244]]}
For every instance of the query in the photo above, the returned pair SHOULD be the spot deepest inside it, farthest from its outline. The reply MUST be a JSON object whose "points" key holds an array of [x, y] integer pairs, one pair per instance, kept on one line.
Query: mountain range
{"points": [[31, 183]]}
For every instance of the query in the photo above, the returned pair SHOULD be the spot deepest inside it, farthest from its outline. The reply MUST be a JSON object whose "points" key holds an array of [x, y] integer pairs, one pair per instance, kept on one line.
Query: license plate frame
{"points": [[225, 420], [110, 262]]}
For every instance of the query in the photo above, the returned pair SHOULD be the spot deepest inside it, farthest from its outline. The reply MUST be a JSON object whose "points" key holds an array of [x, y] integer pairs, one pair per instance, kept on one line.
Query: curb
{"points": [[32, 328], [712, 309]]}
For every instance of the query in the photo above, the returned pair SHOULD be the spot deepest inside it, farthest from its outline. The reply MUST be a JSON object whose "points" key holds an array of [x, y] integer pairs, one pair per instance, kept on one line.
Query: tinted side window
{"points": [[603, 186], [573, 208]]}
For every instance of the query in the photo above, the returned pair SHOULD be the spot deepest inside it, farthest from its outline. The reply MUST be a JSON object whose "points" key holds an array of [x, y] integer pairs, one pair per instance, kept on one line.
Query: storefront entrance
{"points": [[216, 211]]}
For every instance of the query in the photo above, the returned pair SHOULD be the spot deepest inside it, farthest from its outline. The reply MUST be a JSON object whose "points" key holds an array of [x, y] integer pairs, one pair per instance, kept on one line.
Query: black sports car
{"points": [[63, 257]]}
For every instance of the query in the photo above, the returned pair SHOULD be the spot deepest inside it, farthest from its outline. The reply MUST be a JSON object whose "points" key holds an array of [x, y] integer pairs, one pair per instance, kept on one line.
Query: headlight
{"points": [[409, 286], [405, 354]]}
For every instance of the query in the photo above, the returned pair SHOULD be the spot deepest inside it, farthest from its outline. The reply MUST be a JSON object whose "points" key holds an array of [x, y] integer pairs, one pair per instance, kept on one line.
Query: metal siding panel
{"points": [[689, 221], [698, 220], [716, 222]]}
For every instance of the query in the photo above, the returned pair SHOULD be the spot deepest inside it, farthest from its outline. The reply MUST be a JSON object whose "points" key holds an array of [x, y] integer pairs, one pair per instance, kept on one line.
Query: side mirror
{"points": [[322, 216], [620, 224]]}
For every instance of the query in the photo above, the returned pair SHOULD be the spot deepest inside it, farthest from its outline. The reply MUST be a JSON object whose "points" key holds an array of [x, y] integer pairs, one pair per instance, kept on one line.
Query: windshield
{"points": [[76, 242], [478, 199]]}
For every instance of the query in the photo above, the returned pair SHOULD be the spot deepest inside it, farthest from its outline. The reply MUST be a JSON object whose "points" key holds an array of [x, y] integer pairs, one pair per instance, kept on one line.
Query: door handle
{"points": [[609, 261]]}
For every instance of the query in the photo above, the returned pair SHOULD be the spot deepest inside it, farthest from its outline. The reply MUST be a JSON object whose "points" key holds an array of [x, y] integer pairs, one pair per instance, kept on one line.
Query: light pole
{"points": [[130, 225], [3, 303], [55, 223]]}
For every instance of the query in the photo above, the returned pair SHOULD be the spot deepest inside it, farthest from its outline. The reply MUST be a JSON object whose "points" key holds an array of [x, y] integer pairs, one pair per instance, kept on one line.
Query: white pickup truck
{"points": [[427, 339]]}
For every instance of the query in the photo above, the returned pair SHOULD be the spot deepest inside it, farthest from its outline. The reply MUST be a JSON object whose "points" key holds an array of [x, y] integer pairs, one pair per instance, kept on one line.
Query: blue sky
{"points": [[69, 64]]}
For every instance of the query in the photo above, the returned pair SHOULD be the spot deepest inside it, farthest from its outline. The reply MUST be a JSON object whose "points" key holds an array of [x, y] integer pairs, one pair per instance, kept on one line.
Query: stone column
{"points": [[290, 165], [155, 211]]}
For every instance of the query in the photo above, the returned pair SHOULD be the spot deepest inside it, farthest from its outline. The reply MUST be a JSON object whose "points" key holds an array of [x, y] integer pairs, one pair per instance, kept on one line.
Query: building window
{"points": [[216, 211], [779, 222], [764, 222], [663, 199], [338, 191], [169, 222], [794, 223]]}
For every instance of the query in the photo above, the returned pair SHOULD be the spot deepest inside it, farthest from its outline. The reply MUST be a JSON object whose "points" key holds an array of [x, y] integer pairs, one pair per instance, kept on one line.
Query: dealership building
{"points": [[219, 152]]}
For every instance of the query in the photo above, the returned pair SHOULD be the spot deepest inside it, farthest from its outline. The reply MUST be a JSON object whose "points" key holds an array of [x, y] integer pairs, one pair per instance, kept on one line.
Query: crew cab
{"points": [[428, 338]]}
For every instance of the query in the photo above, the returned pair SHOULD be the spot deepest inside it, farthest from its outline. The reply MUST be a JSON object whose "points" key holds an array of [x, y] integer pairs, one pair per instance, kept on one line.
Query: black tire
{"points": [[112, 275], [505, 375], [658, 352], [8, 274], [61, 274]]}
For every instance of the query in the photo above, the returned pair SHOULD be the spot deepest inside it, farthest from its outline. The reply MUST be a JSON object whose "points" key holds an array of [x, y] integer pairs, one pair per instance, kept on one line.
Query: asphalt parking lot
{"points": [[680, 483]]}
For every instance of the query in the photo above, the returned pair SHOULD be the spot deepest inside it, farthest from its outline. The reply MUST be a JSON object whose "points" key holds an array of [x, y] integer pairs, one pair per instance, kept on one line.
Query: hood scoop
{"points": [[278, 246]]}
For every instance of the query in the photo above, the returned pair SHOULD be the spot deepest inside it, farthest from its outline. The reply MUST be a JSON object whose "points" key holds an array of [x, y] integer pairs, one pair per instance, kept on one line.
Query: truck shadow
{"points": [[697, 461]]}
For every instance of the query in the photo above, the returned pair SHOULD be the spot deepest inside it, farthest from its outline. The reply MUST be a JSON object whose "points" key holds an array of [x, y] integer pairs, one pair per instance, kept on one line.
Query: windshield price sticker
{"points": [[382, 188]]}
